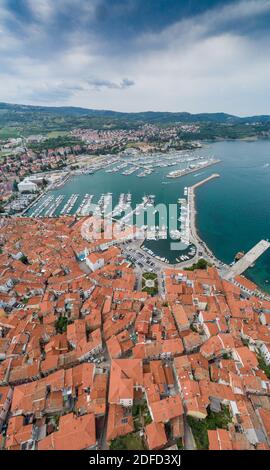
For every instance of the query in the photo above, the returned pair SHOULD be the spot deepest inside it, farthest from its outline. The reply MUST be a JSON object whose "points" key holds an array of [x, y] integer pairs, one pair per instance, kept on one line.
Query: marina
{"points": [[54, 206], [124, 204], [67, 209], [145, 165], [86, 206], [192, 168], [40, 207], [233, 213]]}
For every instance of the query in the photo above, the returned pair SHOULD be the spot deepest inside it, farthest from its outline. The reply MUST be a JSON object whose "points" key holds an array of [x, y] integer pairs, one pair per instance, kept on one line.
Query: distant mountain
{"points": [[17, 120], [13, 112]]}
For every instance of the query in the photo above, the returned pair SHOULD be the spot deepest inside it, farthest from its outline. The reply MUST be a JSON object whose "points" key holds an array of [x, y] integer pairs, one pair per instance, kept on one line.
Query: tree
{"points": [[61, 325], [15, 186], [24, 259], [202, 264]]}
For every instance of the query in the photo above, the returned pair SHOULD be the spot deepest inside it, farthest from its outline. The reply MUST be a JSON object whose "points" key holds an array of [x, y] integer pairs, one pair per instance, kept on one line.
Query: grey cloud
{"points": [[207, 61], [99, 84], [126, 83], [50, 92], [62, 91]]}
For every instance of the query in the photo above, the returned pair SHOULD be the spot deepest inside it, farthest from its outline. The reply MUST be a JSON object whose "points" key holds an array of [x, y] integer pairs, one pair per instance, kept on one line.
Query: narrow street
{"points": [[189, 442]]}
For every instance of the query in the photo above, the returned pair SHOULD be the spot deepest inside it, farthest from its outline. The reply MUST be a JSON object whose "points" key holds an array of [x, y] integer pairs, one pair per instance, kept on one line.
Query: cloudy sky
{"points": [[136, 55]]}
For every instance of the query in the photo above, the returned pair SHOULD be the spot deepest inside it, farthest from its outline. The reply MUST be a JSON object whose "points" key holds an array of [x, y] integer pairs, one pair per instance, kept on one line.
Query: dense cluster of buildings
{"points": [[147, 137], [20, 164], [87, 361], [118, 136], [19, 158]]}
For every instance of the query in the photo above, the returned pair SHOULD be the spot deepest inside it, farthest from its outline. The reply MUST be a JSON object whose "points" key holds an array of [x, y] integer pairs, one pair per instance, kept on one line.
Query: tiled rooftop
{"points": [[202, 347]]}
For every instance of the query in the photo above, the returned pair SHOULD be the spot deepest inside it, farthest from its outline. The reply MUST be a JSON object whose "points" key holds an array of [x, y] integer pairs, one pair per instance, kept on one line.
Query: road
{"points": [[189, 442]]}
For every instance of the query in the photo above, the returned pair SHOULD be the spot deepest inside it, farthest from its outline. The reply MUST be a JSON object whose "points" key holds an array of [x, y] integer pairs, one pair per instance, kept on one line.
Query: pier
{"points": [[247, 260], [187, 171], [200, 183], [202, 249]]}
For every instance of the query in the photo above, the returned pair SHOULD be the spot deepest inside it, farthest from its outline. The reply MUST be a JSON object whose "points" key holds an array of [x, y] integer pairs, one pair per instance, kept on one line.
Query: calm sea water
{"points": [[233, 211]]}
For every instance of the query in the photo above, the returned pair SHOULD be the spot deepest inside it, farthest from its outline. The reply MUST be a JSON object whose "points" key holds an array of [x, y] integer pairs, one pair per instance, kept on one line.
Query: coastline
{"points": [[195, 237], [202, 250], [207, 253]]}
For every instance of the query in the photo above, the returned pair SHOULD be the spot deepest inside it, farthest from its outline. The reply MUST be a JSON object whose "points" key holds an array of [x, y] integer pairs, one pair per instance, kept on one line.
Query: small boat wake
{"points": [[199, 174]]}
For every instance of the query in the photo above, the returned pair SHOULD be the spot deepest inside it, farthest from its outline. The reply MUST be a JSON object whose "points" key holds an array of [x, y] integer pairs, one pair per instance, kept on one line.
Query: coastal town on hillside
{"points": [[36, 158], [104, 343], [134, 233], [92, 358]]}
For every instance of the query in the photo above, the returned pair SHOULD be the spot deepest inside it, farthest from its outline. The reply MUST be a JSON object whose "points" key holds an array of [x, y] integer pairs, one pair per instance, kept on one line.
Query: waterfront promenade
{"points": [[202, 249]]}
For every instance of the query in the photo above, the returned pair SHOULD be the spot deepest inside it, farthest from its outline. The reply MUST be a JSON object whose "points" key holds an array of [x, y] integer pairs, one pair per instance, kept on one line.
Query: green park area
{"points": [[141, 416], [56, 134], [133, 441], [199, 427], [150, 283], [9, 132], [263, 366], [201, 264], [129, 442]]}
